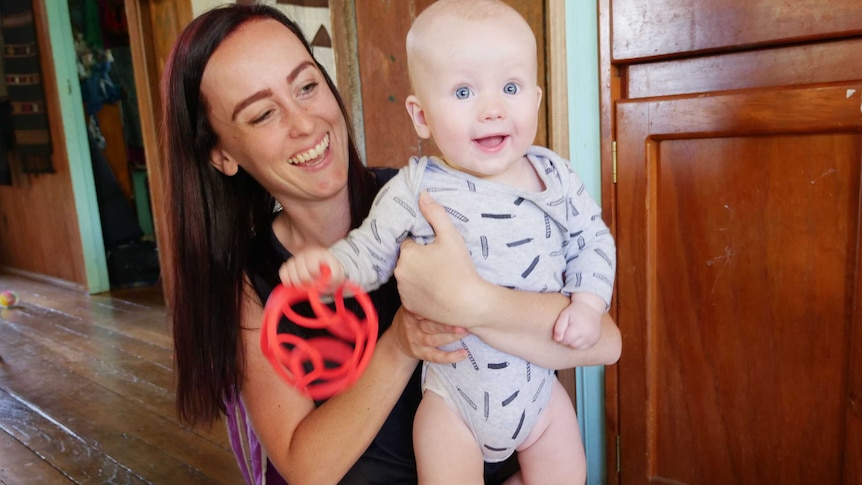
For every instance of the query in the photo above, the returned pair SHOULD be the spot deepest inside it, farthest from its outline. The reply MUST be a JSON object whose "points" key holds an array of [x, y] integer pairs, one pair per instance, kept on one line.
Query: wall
{"points": [[39, 223]]}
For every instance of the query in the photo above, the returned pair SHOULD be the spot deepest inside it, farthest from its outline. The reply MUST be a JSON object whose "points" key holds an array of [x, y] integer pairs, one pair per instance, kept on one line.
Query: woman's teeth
{"points": [[312, 154]]}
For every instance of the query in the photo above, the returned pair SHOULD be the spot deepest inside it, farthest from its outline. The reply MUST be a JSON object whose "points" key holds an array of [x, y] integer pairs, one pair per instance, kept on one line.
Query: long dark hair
{"points": [[212, 218]]}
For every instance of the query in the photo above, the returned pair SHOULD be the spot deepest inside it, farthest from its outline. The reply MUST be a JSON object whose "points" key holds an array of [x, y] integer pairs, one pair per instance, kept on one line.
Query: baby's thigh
{"points": [[554, 452], [446, 451]]}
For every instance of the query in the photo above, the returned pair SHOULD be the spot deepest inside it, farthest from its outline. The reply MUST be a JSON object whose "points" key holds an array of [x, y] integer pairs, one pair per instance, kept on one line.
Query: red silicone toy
{"points": [[349, 344]]}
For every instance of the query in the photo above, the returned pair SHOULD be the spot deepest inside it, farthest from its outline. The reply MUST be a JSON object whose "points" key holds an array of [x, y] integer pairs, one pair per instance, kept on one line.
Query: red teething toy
{"points": [[349, 344]]}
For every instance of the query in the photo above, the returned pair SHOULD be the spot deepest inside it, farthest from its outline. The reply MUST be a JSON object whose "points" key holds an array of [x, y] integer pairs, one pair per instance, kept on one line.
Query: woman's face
{"points": [[274, 115]]}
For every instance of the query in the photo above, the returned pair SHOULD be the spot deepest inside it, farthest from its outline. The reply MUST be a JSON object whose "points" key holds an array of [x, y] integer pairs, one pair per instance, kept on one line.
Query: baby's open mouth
{"points": [[490, 141]]}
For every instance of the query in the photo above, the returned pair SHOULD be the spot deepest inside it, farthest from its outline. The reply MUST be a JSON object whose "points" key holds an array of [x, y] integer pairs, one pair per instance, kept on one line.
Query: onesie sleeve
{"points": [[591, 253], [369, 252]]}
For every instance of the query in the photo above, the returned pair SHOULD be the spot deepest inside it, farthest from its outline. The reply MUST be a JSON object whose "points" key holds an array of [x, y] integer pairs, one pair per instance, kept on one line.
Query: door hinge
{"points": [[618, 454], [614, 160]]}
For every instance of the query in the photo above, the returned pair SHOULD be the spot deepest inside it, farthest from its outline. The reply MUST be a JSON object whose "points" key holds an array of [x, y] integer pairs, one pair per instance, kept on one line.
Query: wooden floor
{"points": [[87, 393]]}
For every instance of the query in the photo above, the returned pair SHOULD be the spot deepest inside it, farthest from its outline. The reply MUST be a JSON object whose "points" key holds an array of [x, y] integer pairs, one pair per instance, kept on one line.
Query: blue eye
{"points": [[511, 88], [462, 92]]}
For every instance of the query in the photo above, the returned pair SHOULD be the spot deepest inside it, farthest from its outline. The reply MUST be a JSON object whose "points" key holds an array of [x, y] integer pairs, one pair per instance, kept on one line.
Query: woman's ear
{"points": [[223, 162], [417, 114]]}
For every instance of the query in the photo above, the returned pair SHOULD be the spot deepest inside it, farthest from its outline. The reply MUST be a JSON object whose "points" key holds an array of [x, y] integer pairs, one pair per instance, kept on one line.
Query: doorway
{"points": [[109, 97]]}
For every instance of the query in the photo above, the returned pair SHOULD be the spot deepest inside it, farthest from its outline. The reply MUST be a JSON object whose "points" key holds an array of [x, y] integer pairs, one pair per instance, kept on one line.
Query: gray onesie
{"points": [[548, 241]]}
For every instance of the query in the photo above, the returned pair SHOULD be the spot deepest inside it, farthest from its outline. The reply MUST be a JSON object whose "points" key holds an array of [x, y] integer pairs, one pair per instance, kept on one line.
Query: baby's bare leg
{"points": [[446, 451], [554, 452]]}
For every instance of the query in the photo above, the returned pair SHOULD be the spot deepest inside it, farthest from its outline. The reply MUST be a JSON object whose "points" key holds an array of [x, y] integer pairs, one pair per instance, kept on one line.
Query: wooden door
{"points": [[736, 207]]}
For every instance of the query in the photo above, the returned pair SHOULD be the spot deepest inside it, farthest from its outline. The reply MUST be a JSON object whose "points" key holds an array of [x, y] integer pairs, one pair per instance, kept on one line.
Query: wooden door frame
{"points": [[148, 59], [609, 92]]}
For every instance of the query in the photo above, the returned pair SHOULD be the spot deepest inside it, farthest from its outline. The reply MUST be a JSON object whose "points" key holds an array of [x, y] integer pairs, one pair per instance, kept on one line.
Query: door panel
{"points": [[738, 219], [801, 64], [658, 28]]}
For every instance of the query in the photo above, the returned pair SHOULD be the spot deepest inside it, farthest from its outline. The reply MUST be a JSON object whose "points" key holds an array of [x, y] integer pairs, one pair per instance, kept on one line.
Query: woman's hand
{"points": [[438, 280], [421, 338]]}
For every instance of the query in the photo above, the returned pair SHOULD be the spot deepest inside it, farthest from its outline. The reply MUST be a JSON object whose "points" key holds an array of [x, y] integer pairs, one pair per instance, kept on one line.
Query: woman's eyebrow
{"points": [[263, 93]]}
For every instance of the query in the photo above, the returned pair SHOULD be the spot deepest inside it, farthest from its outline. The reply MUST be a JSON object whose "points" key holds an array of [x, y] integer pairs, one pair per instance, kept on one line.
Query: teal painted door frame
{"points": [[585, 152], [77, 144]]}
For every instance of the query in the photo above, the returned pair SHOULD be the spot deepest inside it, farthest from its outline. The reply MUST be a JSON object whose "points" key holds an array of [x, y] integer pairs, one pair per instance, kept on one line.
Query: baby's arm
{"points": [[579, 325], [305, 269], [369, 253], [590, 267]]}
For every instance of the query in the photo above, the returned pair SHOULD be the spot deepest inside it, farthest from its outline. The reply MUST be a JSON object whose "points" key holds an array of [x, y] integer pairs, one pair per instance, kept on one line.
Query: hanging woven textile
{"points": [[6, 136], [32, 136]]}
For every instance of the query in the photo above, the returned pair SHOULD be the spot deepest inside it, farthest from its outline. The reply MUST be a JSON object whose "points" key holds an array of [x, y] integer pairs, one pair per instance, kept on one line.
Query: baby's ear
{"points": [[417, 114], [223, 162]]}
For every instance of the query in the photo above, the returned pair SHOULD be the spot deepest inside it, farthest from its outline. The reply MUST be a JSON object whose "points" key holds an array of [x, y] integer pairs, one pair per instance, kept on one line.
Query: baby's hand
{"points": [[304, 269], [579, 325]]}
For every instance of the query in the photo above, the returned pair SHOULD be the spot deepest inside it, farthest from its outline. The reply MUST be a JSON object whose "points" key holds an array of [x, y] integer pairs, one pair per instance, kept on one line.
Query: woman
{"points": [[252, 123]]}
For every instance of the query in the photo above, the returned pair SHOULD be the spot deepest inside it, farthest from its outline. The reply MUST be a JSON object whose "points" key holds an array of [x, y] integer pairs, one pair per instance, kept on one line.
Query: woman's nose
{"points": [[300, 122]]}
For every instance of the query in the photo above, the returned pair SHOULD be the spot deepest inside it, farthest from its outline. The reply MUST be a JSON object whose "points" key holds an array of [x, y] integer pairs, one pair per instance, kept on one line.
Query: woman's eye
{"points": [[309, 88], [262, 117], [510, 88], [462, 93]]}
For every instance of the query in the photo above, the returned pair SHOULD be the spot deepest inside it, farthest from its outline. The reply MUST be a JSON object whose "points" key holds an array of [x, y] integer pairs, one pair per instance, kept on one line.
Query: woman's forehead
{"points": [[256, 51], [261, 37]]}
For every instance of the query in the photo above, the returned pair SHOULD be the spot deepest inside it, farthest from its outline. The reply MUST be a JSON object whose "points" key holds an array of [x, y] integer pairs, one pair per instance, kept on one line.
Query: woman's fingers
{"points": [[422, 338], [437, 334], [437, 216]]}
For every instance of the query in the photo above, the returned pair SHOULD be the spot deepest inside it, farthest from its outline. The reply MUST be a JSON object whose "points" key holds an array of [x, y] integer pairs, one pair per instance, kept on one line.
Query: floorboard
{"points": [[87, 393], [20, 464]]}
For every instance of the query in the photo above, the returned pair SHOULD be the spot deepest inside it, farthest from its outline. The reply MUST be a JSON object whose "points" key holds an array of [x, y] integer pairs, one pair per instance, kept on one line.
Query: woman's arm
{"points": [[319, 445], [439, 282]]}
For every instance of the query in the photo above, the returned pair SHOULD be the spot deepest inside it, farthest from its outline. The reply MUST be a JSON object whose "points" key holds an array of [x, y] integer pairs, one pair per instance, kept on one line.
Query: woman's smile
{"points": [[313, 155]]}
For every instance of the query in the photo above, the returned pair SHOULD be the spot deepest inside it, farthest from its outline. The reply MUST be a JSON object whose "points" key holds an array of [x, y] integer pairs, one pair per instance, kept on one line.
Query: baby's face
{"points": [[476, 82]]}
